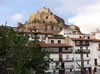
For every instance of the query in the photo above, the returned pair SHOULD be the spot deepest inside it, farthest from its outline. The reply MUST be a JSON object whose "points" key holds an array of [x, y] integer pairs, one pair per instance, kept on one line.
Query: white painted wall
{"points": [[56, 40], [97, 35]]}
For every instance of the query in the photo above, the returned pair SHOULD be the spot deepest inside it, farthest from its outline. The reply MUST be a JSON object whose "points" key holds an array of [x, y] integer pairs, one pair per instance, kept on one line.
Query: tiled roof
{"points": [[42, 44], [56, 37], [94, 40], [80, 39]]}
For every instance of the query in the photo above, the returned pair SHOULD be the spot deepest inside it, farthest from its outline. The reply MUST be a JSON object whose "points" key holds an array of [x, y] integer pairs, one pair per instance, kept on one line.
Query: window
{"points": [[87, 62], [95, 61], [57, 65], [52, 41], [80, 37], [95, 69], [67, 56], [70, 70], [60, 50], [60, 57], [60, 28], [59, 41], [46, 17], [88, 37], [86, 48], [66, 48], [46, 28], [43, 21], [62, 65], [52, 28], [87, 55], [99, 47], [81, 47], [87, 41], [75, 42], [50, 21]]}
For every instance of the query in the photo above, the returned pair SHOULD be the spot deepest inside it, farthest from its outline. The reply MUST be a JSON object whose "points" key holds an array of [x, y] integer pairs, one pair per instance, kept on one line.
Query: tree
{"points": [[20, 56]]}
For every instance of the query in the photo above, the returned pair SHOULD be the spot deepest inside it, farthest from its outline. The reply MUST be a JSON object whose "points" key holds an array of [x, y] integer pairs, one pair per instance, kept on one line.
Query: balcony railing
{"points": [[63, 51], [67, 60], [84, 59], [82, 51], [67, 51], [58, 67], [54, 51], [55, 59], [87, 65], [81, 44], [63, 59], [68, 66]]}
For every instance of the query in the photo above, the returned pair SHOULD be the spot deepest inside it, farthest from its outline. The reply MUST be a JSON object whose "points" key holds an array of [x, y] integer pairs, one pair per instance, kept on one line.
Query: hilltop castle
{"points": [[45, 21], [71, 51]]}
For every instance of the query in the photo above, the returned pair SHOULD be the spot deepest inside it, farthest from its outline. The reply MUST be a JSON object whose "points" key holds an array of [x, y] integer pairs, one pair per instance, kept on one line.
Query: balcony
{"points": [[82, 51], [62, 51], [68, 66], [87, 58], [84, 59], [55, 59], [54, 50], [67, 59], [81, 44], [63, 59], [87, 65], [65, 67], [67, 51]]}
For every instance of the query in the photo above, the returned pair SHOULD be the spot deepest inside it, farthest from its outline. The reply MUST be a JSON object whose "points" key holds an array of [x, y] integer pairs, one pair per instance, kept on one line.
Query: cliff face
{"points": [[44, 16], [44, 21]]}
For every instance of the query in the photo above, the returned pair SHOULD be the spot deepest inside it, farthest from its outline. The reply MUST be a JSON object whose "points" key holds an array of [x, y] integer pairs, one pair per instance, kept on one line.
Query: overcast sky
{"points": [[83, 13]]}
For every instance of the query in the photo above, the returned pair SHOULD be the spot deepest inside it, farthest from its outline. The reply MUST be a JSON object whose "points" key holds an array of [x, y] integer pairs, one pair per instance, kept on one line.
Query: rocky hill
{"points": [[45, 21]]}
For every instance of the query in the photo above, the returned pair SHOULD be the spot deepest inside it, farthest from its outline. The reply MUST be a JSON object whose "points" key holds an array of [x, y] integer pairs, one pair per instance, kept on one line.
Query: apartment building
{"points": [[71, 52]]}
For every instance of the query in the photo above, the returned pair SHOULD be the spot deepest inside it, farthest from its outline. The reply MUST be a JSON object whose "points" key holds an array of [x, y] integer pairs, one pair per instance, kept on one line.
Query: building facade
{"points": [[71, 51]]}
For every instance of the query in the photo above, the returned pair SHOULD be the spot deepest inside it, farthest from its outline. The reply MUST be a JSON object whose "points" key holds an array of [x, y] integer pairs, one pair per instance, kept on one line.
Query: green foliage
{"points": [[18, 55]]}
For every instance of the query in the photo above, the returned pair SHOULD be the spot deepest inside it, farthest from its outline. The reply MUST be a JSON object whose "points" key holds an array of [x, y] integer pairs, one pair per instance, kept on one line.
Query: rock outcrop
{"points": [[45, 21]]}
